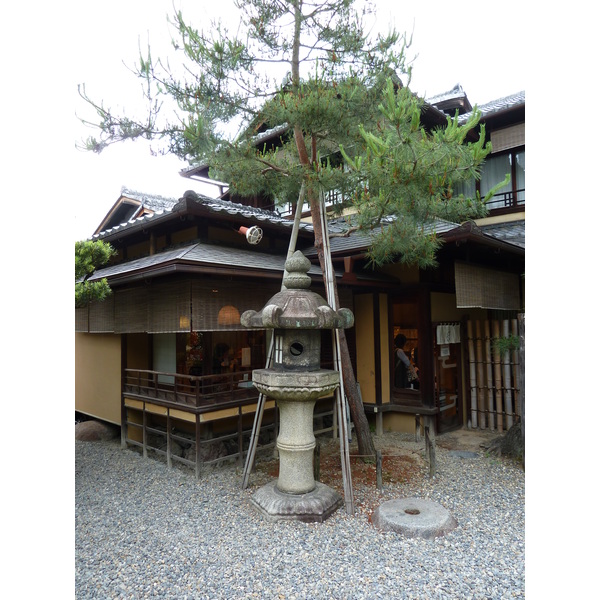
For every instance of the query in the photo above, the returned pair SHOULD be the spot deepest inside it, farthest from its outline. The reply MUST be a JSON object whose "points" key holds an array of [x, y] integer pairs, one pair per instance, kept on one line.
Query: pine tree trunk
{"points": [[366, 446]]}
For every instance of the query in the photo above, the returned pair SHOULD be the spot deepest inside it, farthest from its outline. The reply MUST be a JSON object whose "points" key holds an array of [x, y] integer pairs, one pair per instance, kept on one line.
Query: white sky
{"points": [[447, 55]]}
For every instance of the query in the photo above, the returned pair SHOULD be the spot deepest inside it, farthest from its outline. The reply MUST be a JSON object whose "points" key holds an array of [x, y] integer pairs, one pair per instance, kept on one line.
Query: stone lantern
{"points": [[295, 380]]}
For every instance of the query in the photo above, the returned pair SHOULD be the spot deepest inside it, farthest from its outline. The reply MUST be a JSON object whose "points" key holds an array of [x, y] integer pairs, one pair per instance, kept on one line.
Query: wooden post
{"points": [[197, 434], [378, 423], [169, 461], [498, 378], [480, 377], [144, 434], [123, 423], [317, 462], [240, 436], [430, 443], [379, 466], [488, 366], [417, 427], [508, 406], [473, 375]]}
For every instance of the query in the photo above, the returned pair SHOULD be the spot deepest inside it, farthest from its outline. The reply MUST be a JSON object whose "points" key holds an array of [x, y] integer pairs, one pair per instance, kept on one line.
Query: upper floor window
{"points": [[495, 169], [510, 196]]}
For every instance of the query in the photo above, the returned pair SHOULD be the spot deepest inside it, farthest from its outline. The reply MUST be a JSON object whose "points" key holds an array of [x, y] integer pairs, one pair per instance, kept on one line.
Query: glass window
{"points": [[520, 176], [494, 171], [466, 188], [217, 352]]}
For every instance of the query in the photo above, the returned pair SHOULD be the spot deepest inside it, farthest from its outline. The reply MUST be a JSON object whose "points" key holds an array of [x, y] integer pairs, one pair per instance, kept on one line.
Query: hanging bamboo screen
{"points": [[169, 307], [131, 310], [102, 316], [480, 287], [509, 137], [81, 320], [208, 298]]}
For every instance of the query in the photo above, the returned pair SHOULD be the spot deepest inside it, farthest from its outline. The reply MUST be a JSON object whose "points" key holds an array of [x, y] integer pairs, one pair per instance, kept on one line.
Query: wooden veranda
{"points": [[164, 412]]}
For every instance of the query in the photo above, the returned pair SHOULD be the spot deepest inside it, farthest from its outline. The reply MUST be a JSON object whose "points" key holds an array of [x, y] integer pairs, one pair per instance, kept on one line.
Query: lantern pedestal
{"points": [[296, 494], [313, 507]]}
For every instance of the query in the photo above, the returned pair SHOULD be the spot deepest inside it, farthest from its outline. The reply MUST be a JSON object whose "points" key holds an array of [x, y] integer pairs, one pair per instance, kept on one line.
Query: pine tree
{"points": [[340, 91], [89, 256]]}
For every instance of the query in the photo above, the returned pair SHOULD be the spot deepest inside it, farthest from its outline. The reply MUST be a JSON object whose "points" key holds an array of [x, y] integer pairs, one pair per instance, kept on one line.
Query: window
{"points": [[494, 171], [220, 352]]}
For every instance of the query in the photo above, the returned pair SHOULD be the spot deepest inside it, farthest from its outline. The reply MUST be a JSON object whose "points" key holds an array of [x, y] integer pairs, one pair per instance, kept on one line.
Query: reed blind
{"points": [[102, 316], [81, 320], [480, 287], [169, 308], [208, 298], [131, 310], [509, 137]]}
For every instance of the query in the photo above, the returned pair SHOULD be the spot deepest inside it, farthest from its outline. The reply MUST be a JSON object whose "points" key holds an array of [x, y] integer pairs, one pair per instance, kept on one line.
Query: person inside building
{"points": [[220, 359], [405, 375]]}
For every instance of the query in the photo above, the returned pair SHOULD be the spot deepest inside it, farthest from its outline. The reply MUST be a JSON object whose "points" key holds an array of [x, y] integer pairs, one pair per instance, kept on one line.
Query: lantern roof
{"points": [[296, 307]]}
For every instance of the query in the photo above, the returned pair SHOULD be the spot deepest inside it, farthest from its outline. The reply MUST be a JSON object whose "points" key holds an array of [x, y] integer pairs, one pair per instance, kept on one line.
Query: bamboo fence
{"points": [[493, 376]]}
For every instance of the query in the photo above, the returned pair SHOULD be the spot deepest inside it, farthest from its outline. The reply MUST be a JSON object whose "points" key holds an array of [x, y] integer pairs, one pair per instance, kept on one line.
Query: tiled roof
{"points": [[198, 254], [164, 206], [497, 106], [456, 92], [360, 241], [151, 201], [512, 232]]}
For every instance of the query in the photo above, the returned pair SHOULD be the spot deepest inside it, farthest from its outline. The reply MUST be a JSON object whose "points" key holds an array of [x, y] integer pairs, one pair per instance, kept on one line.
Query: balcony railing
{"points": [[192, 393], [507, 201]]}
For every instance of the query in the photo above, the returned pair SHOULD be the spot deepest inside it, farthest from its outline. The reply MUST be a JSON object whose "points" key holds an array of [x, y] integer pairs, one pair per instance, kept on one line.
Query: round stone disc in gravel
{"points": [[414, 517]]}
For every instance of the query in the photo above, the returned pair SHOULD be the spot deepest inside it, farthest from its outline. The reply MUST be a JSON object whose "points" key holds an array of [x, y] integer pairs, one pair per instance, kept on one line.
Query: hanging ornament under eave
{"points": [[253, 234]]}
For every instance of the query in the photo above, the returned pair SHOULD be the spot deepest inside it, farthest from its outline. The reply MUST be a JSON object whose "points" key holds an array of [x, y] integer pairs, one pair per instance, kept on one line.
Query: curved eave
{"points": [[468, 233], [188, 206]]}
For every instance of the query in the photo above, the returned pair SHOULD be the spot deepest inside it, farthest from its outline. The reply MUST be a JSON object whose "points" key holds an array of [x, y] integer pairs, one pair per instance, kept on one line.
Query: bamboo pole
{"points": [[498, 377], [340, 392], [507, 380], [488, 366], [473, 376], [480, 378], [515, 368]]}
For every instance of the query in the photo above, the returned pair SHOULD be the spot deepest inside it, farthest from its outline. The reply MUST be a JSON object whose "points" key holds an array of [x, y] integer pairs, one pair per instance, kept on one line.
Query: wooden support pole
{"points": [[417, 428], [169, 460], [379, 467], [144, 434], [430, 443], [317, 462], [197, 433], [240, 436]]}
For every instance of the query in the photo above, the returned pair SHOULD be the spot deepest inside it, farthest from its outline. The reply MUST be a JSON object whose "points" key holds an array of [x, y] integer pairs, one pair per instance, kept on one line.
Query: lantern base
{"points": [[313, 507]]}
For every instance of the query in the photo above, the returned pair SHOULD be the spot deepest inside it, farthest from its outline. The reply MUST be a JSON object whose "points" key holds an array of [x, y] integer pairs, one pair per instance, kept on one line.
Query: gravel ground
{"points": [[143, 530]]}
